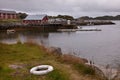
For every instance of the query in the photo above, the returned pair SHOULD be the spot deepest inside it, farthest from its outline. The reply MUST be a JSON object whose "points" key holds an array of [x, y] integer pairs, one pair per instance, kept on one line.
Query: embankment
{"points": [[42, 27], [48, 26], [17, 59]]}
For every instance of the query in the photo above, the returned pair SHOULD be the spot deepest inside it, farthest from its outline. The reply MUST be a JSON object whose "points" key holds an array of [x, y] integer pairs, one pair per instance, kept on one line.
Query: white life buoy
{"points": [[37, 70]]}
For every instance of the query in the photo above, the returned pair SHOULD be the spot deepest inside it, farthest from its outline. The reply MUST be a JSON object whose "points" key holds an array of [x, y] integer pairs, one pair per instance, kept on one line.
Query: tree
{"points": [[22, 15], [105, 18], [85, 18], [65, 17], [117, 17]]}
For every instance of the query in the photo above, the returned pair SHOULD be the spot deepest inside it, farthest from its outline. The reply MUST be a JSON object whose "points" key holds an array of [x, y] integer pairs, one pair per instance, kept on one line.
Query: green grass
{"points": [[57, 75], [29, 55], [10, 20]]}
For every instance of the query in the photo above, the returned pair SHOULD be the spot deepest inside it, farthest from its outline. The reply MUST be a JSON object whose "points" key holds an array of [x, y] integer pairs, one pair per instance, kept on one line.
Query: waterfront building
{"points": [[4, 14], [36, 19]]}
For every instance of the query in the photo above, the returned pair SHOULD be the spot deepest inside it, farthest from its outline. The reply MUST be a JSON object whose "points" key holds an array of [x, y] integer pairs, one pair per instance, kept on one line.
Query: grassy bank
{"points": [[16, 61], [10, 20]]}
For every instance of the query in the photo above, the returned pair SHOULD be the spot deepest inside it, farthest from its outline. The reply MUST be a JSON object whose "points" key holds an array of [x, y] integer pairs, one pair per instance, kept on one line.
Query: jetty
{"points": [[88, 30], [74, 30]]}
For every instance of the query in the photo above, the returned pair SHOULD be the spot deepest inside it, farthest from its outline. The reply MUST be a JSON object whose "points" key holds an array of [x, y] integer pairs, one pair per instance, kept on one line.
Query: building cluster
{"points": [[31, 19]]}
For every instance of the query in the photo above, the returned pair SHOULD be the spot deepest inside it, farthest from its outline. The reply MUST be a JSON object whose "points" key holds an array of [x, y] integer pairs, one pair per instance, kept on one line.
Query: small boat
{"points": [[10, 31]]}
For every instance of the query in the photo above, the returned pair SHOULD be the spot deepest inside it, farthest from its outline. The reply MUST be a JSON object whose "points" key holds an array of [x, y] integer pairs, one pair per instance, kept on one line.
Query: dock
{"points": [[88, 30], [74, 30]]}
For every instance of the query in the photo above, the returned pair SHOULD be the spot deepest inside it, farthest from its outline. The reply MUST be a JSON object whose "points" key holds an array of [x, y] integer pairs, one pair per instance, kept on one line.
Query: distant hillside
{"points": [[68, 17], [101, 18]]}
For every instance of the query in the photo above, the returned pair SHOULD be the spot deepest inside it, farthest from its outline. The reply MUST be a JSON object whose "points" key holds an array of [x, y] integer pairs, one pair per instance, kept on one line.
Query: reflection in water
{"points": [[8, 38], [34, 37]]}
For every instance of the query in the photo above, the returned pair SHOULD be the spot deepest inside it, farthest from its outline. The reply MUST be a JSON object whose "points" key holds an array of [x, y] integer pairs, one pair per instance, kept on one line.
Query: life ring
{"points": [[41, 70]]}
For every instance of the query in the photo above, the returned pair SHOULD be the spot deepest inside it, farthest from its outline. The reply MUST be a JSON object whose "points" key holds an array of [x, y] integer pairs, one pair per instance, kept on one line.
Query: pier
{"points": [[73, 30]]}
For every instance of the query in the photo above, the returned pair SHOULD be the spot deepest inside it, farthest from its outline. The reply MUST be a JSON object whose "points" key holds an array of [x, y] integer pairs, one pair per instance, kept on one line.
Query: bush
{"points": [[84, 69]]}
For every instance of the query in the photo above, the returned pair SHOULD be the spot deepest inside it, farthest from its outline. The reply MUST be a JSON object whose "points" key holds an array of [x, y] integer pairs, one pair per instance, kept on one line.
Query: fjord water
{"points": [[103, 47]]}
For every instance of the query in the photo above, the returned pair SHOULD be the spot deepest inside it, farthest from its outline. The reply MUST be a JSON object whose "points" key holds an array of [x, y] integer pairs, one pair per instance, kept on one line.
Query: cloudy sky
{"points": [[75, 8]]}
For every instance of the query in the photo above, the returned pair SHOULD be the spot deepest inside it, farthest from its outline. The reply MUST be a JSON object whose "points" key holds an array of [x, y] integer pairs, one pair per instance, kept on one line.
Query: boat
{"points": [[10, 31]]}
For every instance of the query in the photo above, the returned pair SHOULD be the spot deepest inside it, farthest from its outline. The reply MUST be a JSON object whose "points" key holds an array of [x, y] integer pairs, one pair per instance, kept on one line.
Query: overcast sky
{"points": [[75, 8]]}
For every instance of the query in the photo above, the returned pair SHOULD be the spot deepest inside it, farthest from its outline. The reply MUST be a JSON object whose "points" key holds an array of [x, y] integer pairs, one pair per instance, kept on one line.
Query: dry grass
{"points": [[72, 59]]}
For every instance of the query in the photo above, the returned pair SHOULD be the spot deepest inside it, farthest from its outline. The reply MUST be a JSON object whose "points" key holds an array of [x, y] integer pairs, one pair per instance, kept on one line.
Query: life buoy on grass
{"points": [[41, 70]]}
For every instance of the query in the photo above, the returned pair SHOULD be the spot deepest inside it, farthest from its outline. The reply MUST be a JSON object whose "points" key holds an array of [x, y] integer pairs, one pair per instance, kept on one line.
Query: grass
{"points": [[10, 20], [28, 55], [57, 75]]}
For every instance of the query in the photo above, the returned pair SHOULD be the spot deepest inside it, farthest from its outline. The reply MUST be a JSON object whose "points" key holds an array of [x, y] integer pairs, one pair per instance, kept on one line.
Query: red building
{"points": [[36, 19], [8, 14]]}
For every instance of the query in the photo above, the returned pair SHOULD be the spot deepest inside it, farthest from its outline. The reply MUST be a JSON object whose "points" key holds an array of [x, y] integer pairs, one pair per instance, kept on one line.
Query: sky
{"points": [[76, 8]]}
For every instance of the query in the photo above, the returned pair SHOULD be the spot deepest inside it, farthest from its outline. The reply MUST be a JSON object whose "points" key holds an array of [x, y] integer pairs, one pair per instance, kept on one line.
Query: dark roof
{"points": [[9, 12], [35, 17]]}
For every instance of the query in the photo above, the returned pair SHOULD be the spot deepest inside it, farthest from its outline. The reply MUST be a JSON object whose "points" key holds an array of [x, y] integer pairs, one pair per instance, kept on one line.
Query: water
{"points": [[103, 47]]}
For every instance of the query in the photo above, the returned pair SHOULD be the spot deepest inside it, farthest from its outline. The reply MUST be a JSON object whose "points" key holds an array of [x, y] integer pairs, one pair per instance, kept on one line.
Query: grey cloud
{"points": [[72, 7]]}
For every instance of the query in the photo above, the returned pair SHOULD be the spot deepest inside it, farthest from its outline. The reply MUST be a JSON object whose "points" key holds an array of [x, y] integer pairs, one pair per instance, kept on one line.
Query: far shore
{"points": [[52, 26]]}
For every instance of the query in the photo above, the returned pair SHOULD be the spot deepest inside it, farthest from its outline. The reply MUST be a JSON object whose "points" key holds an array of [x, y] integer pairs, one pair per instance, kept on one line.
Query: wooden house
{"points": [[4, 14], [36, 19]]}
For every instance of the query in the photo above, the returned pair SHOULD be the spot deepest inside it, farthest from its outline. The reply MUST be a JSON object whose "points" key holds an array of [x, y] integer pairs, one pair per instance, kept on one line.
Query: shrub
{"points": [[84, 69], [66, 58]]}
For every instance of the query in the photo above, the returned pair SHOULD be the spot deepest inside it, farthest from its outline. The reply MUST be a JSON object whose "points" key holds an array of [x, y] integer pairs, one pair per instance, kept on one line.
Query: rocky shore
{"points": [[106, 73]]}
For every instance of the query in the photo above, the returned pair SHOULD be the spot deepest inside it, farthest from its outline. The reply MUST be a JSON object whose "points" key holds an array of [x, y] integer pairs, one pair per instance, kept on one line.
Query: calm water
{"points": [[101, 46]]}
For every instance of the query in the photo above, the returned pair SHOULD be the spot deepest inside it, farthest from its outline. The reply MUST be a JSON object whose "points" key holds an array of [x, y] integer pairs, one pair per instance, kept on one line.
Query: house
{"points": [[4, 14], [36, 19]]}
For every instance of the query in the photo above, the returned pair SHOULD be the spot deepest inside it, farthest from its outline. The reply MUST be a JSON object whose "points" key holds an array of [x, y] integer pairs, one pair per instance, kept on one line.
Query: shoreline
{"points": [[32, 57], [74, 59], [105, 71], [99, 68], [51, 26]]}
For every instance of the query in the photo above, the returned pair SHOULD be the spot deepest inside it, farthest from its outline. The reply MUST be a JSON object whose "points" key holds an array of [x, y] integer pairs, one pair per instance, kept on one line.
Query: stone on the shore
{"points": [[54, 50], [84, 60], [13, 66], [117, 77]]}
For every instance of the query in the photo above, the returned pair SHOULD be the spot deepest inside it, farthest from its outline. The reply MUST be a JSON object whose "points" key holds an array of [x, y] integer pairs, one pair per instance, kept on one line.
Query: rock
{"points": [[13, 66], [117, 77], [97, 70], [84, 60], [54, 50]]}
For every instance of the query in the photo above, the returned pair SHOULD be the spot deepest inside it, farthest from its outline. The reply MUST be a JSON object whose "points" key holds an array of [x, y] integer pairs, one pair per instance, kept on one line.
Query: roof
{"points": [[35, 17], [9, 12]]}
